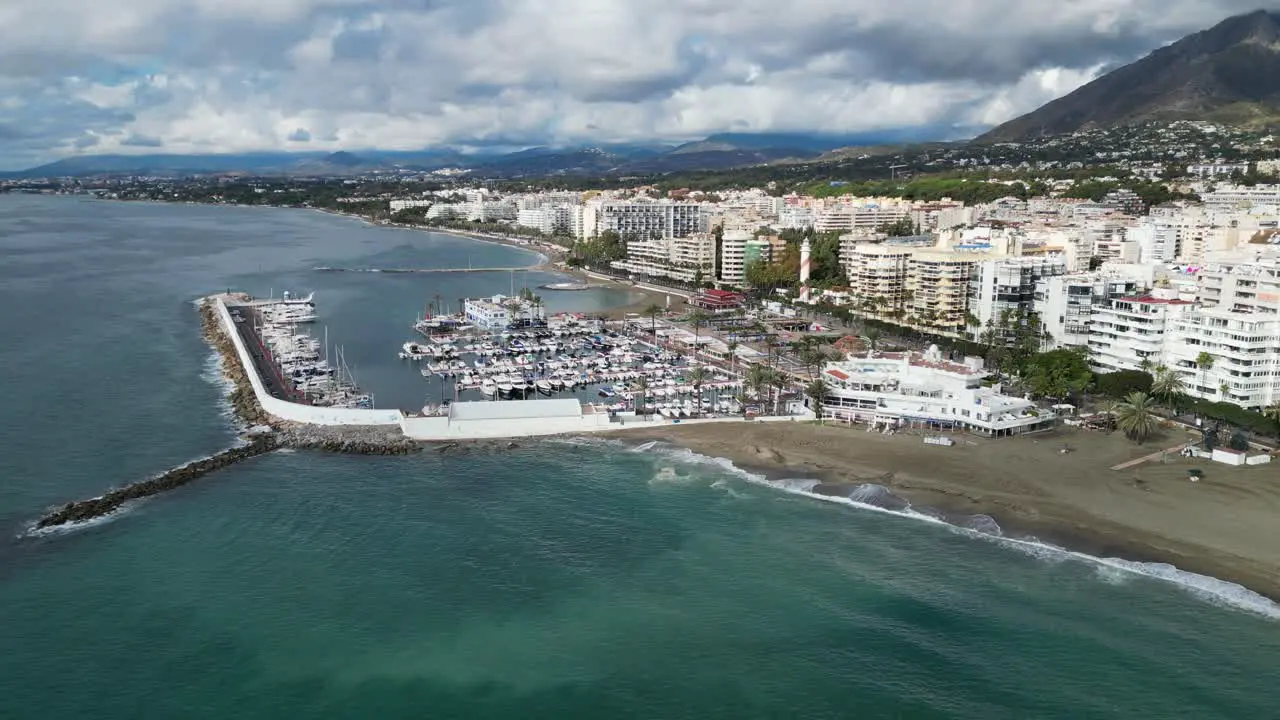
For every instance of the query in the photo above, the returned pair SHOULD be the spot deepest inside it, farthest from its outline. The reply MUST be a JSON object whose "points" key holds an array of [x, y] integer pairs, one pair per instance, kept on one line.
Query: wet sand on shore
{"points": [[1225, 526]]}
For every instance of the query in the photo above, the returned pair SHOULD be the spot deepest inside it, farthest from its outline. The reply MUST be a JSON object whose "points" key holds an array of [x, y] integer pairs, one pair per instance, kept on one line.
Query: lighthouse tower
{"points": [[804, 271]]}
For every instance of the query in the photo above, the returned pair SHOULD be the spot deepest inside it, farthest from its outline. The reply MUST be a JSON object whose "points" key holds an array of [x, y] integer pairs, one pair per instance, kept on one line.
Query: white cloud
{"points": [[230, 75]]}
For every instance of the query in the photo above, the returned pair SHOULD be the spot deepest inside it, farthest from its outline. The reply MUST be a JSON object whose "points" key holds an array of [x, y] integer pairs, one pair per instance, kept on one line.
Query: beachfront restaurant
{"points": [[925, 391]]}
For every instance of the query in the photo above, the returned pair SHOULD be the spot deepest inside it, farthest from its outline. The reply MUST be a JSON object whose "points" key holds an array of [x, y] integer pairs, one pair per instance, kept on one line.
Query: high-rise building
{"points": [[1066, 303], [1126, 332], [634, 220], [689, 259], [1007, 287]]}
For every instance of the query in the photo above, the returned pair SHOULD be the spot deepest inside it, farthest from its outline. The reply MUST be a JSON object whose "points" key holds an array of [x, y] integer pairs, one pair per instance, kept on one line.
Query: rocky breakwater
{"points": [[243, 400], [84, 510], [353, 439]]}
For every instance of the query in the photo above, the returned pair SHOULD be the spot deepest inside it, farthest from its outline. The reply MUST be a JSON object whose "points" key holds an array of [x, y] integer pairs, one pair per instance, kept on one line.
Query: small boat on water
{"points": [[607, 392], [544, 387], [489, 388]]}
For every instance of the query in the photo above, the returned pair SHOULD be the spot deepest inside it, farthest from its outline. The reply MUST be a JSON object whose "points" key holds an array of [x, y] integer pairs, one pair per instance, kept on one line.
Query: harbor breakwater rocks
{"points": [[270, 434], [353, 439], [83, 510], [243, 400]]}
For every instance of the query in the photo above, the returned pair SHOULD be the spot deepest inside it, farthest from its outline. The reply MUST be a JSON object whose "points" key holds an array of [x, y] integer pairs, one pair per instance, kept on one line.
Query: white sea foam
{"points": [[1209, 589], [667, 475], [68, 528], [214, 372]]}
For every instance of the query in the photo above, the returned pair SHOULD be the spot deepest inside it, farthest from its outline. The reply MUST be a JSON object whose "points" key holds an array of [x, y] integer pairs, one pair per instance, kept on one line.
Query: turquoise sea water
{"points": [[568, 579]]}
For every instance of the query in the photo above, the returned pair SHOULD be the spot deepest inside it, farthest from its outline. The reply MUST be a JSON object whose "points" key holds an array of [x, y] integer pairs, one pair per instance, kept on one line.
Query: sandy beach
{"points": [[1224, 526]]}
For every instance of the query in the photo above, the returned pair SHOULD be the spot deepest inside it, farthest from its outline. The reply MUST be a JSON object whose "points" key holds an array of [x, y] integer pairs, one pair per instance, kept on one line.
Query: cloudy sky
{"points": [[199, 76]]}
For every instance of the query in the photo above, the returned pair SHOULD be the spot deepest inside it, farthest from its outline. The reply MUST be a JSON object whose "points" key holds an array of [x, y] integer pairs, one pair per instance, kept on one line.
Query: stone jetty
{"points": [[83, 510], [354, 439], [269, 434]]}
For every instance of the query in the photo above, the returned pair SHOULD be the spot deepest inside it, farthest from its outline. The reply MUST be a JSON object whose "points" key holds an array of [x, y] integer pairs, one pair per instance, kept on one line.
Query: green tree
{"points": [[1168, 387], [813, 358], [817, 392], [697, 377], [1123, 382], [698, 319], [1136, 417], [1204, 361], [652, 312], [1057, 374]]}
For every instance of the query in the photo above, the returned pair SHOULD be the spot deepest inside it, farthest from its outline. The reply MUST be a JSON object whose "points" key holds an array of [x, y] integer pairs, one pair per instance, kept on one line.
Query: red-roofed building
{"points": [[717, 300]]}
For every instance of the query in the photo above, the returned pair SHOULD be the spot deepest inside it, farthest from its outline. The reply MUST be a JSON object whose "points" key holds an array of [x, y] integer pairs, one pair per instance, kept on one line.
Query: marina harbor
{"points": [[502, 368]]}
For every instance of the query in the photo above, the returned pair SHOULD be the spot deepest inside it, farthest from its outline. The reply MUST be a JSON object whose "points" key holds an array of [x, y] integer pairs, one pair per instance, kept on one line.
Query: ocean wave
{"points": [[68, 528], [1218, 592], [667, 475], [214, 372]]}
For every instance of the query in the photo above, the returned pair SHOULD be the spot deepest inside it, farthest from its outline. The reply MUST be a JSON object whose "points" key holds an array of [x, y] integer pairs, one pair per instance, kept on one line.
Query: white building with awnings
{"points": [[925, 390]]}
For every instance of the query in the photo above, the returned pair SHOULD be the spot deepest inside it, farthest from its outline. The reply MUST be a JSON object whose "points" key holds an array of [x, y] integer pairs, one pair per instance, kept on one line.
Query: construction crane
{"points": [[893, 171]]}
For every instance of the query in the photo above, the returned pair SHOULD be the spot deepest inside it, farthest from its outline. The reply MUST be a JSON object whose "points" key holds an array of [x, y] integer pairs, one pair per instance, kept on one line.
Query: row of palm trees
{"points": [[1136, 415]]}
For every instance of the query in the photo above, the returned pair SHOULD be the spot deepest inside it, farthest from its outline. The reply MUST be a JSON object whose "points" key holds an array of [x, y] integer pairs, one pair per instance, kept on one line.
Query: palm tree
{"points": [[1204, 361], [1273, 412], [1136, 417], [1223, 389], [780, 382], [642, 393], [699, 320], [652, 312], [817, 391], [812, 358], [971, 321], [1146, 365], [756, 379], [1167, 386], [697, 377], [733, 356]]}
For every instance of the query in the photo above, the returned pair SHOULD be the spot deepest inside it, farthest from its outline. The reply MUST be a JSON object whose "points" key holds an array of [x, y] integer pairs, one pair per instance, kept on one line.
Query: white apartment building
{"points": [[845, 218], [877, 275], [1206, 171], [938, 289], [649, 219], [1130, 330], [1247, 282], [1240, 197], [552, 219], [489, 210], [1066, 303], [1008, 285], [688, 259], [925, 390], [1157, 239], [733, 257], [500, 312], [794, 217], [405, 204], [1245, 352]]}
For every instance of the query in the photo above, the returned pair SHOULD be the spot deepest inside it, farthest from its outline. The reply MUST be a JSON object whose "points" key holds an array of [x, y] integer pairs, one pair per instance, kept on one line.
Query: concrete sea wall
{"points": [[296, 412]]}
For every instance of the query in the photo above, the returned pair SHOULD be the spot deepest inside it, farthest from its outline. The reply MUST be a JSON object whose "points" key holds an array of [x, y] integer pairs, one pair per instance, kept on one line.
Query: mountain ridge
{"points": [[1229, 73], [720, 151]]}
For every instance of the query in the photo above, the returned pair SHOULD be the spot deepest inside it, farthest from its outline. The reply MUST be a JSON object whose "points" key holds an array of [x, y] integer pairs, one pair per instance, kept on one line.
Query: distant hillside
{"points": [[724, 151], [1229, 73]]}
